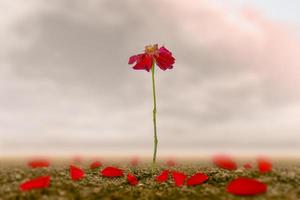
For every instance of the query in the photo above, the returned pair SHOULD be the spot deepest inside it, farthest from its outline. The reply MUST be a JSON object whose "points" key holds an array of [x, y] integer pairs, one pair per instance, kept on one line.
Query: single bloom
{"points": [[246, 187], [179, 178], [76, 173], [163, 176], [132, 180], [225, 162], [36, 183], [162, 57], [112, 172], [197, 179]]}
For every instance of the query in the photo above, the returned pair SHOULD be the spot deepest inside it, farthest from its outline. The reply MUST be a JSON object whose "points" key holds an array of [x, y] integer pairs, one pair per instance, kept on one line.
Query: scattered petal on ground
{"points": [[39, 182], [264, 165], [225, 162], [76, 173], [197, 179], [171, 163], [38, 163], [163, 176], [112, 172], [246, 187], [95, 164], [179, 178], [132, 180], [247, 166]]}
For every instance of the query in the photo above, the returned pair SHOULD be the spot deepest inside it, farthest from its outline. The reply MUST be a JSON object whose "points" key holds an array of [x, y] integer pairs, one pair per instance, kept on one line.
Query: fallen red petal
{"points": [[112, 172], [264, 165], [246, 187], [76, 173], [179, 178], [39, 182], [197, 179], [132, 180], [38, 163], [225, 162], [163, 176], [95, 164], [247, 166]]}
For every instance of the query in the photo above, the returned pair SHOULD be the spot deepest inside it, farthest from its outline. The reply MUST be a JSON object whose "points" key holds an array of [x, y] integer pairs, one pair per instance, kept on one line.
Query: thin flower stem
{"points": [[154, 120]]}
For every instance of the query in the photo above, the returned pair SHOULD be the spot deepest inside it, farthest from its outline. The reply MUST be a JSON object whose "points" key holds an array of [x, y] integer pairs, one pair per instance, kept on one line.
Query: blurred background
{"points": [[66, 87]]}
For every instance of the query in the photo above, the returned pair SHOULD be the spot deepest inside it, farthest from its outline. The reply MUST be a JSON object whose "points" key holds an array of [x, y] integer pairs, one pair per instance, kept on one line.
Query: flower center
{"points": [[152, 49]]}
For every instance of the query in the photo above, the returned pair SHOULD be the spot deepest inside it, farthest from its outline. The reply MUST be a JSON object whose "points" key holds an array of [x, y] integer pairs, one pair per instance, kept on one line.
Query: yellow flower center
{"points": [[151, 49]]}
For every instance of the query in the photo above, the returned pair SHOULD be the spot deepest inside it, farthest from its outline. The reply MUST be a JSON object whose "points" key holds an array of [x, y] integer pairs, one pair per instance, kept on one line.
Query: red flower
{"points": [[162, 57], [246, 187], [76, 173], [225, 162], [197, 179], [95, 164], [132, 180], [264, 165], [164, 175], [112, 172], [38, 163], [39, 182], [179, 178]]}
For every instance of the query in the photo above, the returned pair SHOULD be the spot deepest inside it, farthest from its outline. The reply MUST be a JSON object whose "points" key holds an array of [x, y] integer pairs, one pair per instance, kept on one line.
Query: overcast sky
{"points": [[65, 84]]}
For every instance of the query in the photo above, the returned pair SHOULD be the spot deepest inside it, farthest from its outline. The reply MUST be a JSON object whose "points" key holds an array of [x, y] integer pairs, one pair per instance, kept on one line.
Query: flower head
{"points": [[162, 57]]}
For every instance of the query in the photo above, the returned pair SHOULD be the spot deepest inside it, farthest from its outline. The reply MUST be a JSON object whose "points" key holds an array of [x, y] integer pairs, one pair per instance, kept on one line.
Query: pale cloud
{"points": [[66, 83]]}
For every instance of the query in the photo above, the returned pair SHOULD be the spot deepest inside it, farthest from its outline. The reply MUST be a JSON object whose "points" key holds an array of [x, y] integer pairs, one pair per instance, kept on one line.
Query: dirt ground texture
{"points": [[283, 182]]}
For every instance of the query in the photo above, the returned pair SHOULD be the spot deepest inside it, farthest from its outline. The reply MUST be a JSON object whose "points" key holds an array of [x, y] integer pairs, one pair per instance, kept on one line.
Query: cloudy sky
{"points": [[65, 85]]}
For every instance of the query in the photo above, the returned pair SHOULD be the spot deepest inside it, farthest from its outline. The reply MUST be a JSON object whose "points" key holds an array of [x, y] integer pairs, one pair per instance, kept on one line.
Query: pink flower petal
{"points": [[197, 179], [179, 178], [112, 172], [76, 173], [163, 176], [36, 183], [246, 187], [132, 180]]}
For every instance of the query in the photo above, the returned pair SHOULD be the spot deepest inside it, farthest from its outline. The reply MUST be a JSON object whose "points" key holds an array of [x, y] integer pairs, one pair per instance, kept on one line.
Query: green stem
{"points": [[154, 119]]}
